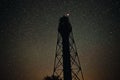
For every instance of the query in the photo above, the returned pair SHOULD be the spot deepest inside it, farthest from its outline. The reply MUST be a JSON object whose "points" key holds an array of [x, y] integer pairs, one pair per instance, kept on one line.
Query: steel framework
{"points": [[66, 64]]}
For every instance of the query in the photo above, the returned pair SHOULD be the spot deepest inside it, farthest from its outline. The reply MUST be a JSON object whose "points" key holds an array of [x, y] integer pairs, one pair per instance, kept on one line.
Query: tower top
{"points": [[64, 27], [64, 19]]}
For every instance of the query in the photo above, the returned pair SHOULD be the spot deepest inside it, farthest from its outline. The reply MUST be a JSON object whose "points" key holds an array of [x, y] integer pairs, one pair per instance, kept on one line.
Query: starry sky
{"points": [[28, 35]]}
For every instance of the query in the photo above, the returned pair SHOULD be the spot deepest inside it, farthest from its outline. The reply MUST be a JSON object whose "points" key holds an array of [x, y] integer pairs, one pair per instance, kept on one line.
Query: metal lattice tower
{"points": [[66, 64]]}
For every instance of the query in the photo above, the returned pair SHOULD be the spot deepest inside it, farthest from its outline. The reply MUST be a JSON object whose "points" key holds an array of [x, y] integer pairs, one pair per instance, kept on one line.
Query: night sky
{"points": [[28, 35]]}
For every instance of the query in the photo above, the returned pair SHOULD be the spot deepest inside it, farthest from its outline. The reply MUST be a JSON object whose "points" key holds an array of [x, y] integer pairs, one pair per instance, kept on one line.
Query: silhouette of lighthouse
{"points": [[66, 64]]}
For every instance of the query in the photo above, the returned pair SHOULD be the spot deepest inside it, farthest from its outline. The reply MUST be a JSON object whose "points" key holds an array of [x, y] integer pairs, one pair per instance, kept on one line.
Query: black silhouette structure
{"points": [[66, 64]]}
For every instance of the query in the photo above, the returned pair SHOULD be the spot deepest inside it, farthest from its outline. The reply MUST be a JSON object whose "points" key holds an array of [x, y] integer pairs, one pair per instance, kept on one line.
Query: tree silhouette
{"points": [[52, 78]]}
